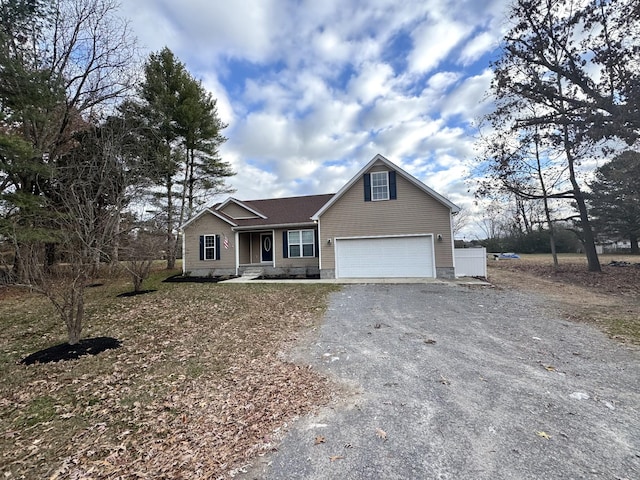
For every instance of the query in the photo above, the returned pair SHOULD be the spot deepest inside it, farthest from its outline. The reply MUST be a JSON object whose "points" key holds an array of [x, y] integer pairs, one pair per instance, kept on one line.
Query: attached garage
{"points": [[385, 257]]}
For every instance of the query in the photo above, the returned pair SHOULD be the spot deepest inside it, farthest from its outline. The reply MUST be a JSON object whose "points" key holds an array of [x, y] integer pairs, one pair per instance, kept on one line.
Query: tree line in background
{"points": [[567, 93], [84, 143]]}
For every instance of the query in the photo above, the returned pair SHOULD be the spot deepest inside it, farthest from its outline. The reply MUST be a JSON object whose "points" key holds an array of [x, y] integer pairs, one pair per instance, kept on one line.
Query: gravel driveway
{"points": [[452, 382]]}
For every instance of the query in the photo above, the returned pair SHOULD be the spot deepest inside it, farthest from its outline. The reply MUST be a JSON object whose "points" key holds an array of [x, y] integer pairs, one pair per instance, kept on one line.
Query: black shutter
{"points": [[367, 187], [217, 247], [201, 247], [392, 186], [315, 237], [285, 244]]}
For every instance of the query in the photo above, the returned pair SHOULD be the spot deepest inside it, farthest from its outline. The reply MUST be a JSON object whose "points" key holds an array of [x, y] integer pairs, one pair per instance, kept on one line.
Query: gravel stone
{"points": [[465, 383]]}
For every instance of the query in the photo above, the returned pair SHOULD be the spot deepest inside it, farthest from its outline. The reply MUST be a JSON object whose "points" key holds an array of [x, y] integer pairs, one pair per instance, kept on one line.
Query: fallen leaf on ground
{"points": [[429, 341], [319, 439], [333, 458], [381, 433], [550, 368], [544, 435], [444, 380]]}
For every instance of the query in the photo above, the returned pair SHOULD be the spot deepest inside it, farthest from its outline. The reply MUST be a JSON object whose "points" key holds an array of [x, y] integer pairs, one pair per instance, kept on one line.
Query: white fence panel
{"points": [[471, 262]]}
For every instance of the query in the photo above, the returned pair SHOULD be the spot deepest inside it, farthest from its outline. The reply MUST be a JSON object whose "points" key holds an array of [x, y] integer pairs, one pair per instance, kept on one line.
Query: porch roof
{"points": [[278, 211]]}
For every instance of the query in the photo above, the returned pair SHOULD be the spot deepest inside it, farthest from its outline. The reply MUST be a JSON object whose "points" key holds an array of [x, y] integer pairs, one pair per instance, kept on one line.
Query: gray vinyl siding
{"points": [[291, 262], [249, 245], [208, 224], [414, 212], [234, 210]]}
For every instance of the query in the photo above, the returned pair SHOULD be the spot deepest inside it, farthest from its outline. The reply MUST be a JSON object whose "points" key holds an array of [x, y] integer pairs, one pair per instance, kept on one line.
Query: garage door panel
{"points": [[384, 257]]}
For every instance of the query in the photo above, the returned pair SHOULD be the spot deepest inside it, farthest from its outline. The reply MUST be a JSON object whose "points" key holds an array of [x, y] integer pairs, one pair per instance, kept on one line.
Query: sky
{"points": [[312, 90]]}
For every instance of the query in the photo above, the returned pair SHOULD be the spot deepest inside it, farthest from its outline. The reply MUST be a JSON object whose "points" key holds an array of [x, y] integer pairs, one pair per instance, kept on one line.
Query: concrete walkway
{"points": [[359, 281]]}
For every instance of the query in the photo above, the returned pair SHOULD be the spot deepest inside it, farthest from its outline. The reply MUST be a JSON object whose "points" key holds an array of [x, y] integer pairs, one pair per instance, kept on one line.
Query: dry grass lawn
{"points": [[610, 299], [199, 385], [197, 388]]}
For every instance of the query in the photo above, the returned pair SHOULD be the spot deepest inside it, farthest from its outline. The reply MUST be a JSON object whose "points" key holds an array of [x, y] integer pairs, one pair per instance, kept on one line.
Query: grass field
{"points": [[610, 299], [196, 387]]}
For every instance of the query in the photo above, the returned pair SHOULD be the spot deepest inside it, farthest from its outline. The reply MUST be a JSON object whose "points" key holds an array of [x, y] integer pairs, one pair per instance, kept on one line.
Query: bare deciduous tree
{"points": [[90, 191], [139, 254], [461, 221]]}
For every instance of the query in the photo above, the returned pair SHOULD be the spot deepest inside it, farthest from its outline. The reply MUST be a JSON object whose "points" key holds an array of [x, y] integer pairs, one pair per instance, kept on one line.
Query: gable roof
{"points": [[284, 211], [429, 191], [272, 211], [244, 205], [224, 218]]}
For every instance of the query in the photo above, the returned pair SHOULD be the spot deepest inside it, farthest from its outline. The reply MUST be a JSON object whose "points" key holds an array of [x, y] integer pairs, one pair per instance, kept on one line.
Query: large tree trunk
{"points": [[171, 250], [545, 200], [589, 241], [75, 316], [49, 256], [18, 270], [115, 247], [24, 258], [634, 244]]}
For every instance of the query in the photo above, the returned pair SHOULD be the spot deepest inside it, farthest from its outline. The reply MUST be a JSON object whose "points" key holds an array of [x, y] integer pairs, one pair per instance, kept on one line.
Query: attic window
{"points": [[379, 186]]}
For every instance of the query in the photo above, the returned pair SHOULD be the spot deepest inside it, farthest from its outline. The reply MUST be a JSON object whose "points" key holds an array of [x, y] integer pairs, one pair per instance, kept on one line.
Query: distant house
{"points": [[613, 246], [382, 223]]}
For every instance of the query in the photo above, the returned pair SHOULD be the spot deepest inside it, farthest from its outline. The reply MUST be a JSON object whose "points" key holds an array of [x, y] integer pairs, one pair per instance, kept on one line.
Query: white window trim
{"points": [[301, 244], [206, 248], [387, 185]]}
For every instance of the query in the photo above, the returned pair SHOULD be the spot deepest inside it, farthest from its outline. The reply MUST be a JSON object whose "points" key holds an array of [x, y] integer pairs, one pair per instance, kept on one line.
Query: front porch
{"points": [[255, 249], [263, 251]]}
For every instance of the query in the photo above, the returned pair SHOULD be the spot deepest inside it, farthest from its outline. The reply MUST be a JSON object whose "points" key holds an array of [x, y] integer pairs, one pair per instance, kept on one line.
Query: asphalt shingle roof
{"points": [[281, 211]]}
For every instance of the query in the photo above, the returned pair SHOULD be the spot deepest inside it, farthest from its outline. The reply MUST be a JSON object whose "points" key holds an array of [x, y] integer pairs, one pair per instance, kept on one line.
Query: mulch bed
{"points": [[133, 294], [64, 351], [179, 278]]}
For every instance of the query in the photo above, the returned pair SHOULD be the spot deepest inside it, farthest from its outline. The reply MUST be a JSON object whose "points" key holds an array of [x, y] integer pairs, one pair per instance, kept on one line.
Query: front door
{"points": [[266, 247]]}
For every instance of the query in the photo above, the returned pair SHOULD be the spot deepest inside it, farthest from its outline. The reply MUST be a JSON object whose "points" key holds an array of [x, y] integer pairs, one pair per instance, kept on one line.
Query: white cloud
{"points": [[223, 103], [373, 81], [478, 46], [442, 80], [331, 47], [470, 99], [251, 182], [433, 41]]}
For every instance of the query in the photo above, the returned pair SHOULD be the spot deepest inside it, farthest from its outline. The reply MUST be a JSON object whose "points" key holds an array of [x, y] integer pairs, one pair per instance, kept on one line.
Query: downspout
{"points": [[453, 245], [184, 253], [319, 248]]}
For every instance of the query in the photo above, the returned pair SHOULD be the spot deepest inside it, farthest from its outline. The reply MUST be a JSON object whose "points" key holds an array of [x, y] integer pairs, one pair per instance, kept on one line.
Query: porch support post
{"points": [[237, 249], [273, 248]]}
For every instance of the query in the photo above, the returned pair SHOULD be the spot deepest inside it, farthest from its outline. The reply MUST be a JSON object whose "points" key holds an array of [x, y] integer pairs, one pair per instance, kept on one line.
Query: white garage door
{"points": [[383, 257]]}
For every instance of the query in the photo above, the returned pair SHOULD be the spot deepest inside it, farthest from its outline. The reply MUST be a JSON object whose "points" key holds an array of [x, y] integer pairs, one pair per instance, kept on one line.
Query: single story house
{"points": [[382, 223]]}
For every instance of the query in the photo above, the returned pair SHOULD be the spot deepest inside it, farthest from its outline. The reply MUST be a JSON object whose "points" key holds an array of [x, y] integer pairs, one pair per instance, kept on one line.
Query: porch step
{"points": [[253, 272]]}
